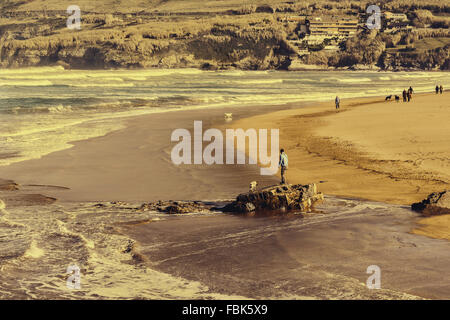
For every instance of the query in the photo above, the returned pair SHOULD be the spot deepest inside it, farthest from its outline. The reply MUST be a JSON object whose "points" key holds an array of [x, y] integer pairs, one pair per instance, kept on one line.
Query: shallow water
{"points": [[200, 256], [42, 109]]}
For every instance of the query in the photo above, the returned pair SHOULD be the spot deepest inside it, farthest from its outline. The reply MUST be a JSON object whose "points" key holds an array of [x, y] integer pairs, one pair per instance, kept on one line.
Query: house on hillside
{"points": [[320, 33], [332, 26], [395, 16], [331, 30], [395, 22]]}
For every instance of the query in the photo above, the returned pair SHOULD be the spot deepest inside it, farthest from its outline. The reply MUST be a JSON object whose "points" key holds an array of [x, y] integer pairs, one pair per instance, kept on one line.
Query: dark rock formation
{"points": [[435, 204], [275, 198], [287, 197], [8, 185], [170, 207], [175, 207]]}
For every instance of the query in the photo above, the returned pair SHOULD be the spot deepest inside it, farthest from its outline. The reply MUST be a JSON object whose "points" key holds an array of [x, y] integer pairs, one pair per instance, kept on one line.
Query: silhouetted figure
{"points": [[404, 95], [337, 101], [441, 89], [437, 89], [410, 91], [409, 96], [283, 165]]}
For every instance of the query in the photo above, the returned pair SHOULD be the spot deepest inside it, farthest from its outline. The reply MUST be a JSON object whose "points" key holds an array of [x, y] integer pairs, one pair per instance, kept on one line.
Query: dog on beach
{"points": [[228, 116], [388, 98], [397, 98], [253, 186]]}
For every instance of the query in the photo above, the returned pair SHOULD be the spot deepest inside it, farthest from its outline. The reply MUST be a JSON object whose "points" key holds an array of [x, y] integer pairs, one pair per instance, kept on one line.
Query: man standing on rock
{"points": [[283, 164]]}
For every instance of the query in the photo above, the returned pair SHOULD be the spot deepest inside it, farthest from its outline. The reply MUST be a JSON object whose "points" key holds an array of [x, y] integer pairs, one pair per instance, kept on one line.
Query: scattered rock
{"points": [[435, 204], [8, 185], [129, 246], [175, 207], [100, 205], [275, 198], [284, 197]]}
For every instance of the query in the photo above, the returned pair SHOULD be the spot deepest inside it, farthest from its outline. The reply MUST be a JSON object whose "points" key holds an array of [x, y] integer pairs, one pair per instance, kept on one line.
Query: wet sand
{"points": [[375, 150], [371, 149], [320, 256], [133, 164]]}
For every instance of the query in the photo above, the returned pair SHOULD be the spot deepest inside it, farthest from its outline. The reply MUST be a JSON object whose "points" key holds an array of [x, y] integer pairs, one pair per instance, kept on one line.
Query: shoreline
{"points": [[123, 161], [310, 116], [330, 163], [352, 168], [370, 68], [276, 257], [216, 256], [303, 131]]}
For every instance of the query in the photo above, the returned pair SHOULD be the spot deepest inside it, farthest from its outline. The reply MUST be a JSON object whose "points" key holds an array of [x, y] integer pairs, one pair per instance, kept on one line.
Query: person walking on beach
{"points": [[404, 95], [409, 95], [283, 165], [441, 89], [411, 91], [337, 101], [437, 89]]}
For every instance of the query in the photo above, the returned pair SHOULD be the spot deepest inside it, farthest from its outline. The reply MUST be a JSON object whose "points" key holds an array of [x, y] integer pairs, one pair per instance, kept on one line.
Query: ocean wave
{"points": [[41, 109], [300, 80], [32, 70], [59, 109], [236, 73], [73, 98], [102, 85], [136, 78], [25, 83], [354, 80], [144, 73], [259, 81], [417, 75], [44, 76], [111, 79]]}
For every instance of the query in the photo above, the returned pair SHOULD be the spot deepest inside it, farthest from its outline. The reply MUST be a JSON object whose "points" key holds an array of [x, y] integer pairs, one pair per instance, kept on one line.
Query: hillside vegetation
{"points": [[209, 34]]}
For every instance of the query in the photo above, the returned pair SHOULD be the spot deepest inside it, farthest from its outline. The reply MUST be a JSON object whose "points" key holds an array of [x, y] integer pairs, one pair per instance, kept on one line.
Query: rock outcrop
{"points": [[169, 207], [8, 185], [157, 42], [435, 204], [284, 197], [274, 198], [175, 207]]}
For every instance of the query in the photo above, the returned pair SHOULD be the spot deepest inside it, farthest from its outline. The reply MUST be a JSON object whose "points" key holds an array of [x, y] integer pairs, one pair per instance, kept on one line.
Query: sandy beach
{"points": [[372, 159], [134, 164], [371, 149]]}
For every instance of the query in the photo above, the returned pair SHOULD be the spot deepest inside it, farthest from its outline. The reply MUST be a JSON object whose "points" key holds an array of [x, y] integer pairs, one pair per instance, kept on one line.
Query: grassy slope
{"points": [[109, 6], [431, 43], [144, 41], [126, 6]]}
